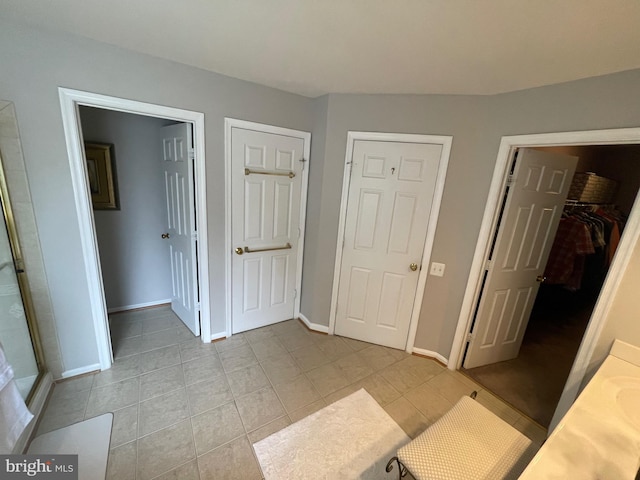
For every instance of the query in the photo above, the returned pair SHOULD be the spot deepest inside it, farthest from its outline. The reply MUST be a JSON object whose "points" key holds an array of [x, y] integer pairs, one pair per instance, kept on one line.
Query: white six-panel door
{"points": [[523, 243], [266, 181], [389, 204], [180, 234]]}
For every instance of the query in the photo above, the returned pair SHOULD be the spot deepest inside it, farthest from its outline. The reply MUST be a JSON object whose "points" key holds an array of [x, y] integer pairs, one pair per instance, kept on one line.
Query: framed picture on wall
{"points": [[101, 175]]}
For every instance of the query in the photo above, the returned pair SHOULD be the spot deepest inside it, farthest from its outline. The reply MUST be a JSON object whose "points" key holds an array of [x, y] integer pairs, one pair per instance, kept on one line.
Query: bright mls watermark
{"points": [[51, 467]]}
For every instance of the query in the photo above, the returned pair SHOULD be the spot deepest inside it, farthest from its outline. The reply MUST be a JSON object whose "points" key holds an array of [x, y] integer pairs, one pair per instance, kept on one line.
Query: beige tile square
{"points": [[288, 327], [342, 393], [124, 328], [77, 384], [259, 408], [162, 411], [268, 348], [376, 357], [161, 381], [407, 416], [280, 369], [127, 346], [163, 338], [125, 426], [355, 345], [233, 461], [195, 348], [160, 358], [353, 367], [237, 358], [450, 386], [164, 450], [296, 393], [333, 347], [121, 464], [307, 410], [165, 322], [268, 429], [310, 357], [258, 335], [183, 334], [113, 397], [187, 471], [327, 379], [247, 380], [209, 394], [429, 402], [381, 390], [408, 374], [203, 368], [216, 427], [235, 341], [123, 368], [64, 408], [296, 340]]}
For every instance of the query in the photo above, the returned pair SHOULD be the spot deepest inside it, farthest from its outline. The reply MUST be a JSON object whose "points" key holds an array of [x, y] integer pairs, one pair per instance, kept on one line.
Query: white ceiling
{"points": [[313, 47]]}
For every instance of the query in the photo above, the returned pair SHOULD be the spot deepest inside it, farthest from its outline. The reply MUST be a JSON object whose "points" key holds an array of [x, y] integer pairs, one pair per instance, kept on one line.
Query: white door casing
{"points": [[268, 194], [181, 235], [537, 191], [391, 195], [69, 101]]}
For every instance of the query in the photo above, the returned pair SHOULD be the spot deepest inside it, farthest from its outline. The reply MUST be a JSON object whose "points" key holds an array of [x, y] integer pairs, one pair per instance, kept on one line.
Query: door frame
{"points": [[70, 101], [229, 125], [352, 137], [630, 237]]}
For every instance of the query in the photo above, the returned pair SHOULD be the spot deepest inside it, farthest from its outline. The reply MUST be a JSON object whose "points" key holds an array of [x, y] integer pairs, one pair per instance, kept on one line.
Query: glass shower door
{"points": [[15, 335]]}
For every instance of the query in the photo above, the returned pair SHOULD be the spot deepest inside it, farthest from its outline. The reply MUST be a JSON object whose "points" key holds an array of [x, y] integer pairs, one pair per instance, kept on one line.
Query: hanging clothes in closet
{"points": [[584, 245]]}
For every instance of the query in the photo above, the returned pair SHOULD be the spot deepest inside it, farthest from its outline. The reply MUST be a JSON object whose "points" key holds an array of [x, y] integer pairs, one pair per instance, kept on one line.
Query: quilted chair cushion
{"points": [[468, 442]]}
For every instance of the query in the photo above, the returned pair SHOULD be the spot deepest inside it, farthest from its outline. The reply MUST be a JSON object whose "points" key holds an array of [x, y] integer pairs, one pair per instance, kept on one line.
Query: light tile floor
{"points": [[187, 410]]}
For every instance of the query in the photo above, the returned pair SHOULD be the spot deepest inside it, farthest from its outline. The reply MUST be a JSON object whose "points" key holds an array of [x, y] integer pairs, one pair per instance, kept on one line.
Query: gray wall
{"points": [[477, 125], [34, 64], [134, 258]]}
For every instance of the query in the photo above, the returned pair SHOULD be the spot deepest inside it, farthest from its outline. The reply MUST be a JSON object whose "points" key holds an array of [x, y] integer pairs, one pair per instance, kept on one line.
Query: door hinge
{"points": [[295, 293], [299, 232], [470, 337], [488, 265], [194, 235], [511, 179], [192, 153], [197, 306]]}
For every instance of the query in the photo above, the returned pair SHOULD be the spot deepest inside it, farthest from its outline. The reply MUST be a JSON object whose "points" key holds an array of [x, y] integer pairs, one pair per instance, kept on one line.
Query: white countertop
{"points": [[599, 437]]}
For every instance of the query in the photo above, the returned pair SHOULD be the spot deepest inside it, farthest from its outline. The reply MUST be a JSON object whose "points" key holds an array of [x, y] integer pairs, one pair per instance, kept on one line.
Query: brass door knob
{"points": [[413, 267], [239, 251], [540, 278], [165, 235]]}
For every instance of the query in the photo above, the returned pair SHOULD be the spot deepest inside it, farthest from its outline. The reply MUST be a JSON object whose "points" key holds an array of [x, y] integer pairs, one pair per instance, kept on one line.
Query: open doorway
{"points": [[604, 189], [508, 147], [143, 262], [71, 101]]}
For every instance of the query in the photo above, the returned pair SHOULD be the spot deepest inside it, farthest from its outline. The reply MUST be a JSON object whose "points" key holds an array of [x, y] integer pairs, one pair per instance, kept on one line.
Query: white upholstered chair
{"points": [[468, 443]]}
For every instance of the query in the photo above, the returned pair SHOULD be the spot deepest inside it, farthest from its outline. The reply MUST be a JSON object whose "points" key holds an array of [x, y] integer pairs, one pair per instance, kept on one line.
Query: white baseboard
{"points": [[313, 326], [218, 336], [430, 354], [36, 407], [138, 305], [81, 371]]}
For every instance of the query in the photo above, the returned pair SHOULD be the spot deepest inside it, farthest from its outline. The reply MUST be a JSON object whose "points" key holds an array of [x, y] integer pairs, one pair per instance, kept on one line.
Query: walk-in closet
{"points": [[602, 194]]}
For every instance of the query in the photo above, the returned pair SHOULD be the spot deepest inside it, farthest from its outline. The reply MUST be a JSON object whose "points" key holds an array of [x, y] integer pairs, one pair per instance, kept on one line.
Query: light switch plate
{"points": [[437, 269]]}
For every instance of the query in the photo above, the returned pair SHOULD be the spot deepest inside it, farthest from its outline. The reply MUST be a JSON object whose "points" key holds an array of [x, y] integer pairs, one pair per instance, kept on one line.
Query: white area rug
{"points": [[352, 438], [89, 440]]}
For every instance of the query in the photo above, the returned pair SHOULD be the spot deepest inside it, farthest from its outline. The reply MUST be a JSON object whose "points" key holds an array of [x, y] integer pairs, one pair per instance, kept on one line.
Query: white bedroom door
{"points": [[389, 204], [537, 192], [177, 148], [266, 199]]}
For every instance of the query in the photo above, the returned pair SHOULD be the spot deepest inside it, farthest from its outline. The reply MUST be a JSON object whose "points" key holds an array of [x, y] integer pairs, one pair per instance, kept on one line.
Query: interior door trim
{"points": [[631, 235], [229, 125], [352, 137], [70, 100]]}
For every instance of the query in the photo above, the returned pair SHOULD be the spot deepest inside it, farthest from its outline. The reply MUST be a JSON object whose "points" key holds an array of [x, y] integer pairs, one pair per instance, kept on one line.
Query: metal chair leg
{"points": [[402, 470]]}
